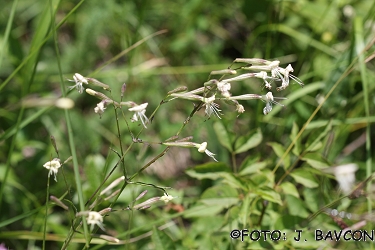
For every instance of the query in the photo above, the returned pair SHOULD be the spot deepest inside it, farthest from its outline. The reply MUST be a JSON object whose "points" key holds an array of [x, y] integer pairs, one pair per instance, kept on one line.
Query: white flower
{"points": [[166, 198], [240, 108], [284, 75], [269, 100], [79, 80], [345, 176], [277, 73], [140, 111], [263, 75], [224, 88], [53, 167], [211, 107], [95, 218], [202, 148], [100, 107]]}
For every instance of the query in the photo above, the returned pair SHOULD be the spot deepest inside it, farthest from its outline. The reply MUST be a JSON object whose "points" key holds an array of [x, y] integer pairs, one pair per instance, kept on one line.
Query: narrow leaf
{"points": [[223, 136], [279, 150], [304, 177], [289, 188], [161, 240], [247, 142]]}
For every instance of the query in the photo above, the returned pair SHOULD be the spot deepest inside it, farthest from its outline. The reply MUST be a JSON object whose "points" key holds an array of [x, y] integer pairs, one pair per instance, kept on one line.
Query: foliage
{"points": [[274, 171]]}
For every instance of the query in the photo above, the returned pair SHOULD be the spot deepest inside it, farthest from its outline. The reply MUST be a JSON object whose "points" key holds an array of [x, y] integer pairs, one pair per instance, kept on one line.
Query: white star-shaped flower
{"points": [[269, 100], [95, 218], [53, 167], [100, 107], [224, 88], [202, 148], [284, 75], [79, 80], [211, 107], [140, 111]]}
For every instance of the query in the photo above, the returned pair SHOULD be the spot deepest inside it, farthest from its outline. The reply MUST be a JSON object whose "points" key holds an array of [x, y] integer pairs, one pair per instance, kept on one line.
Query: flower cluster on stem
{"points": [[215, 90], [139, 110]]}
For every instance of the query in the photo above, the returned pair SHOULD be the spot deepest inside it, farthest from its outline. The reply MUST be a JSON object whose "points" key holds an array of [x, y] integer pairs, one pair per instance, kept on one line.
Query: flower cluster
{"points": [[277, 73], [215, 90], [139, 110]]}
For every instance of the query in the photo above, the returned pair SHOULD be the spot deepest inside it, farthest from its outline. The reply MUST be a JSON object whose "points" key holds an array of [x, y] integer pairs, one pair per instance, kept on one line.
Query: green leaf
{"points": [[289, 188], [314, 161], [279, 151], [264, 178], [269, 194], [311, 196], [244, 212], [317, 143], [223, 136], [293, 135], [161, 240], [222, 202], [202, 211], [220, 195], [220, 191], [304, 177], [247, 142], [233, 181], [315, 147], [253, 168], [296, 207], [211, 170], [288, 221]]}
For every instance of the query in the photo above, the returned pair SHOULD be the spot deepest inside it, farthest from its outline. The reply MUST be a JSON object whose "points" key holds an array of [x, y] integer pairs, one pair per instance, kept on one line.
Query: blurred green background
{"points": [[321, 39]]}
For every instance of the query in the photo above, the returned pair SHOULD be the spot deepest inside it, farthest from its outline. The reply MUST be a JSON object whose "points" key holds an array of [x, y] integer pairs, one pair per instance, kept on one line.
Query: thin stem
{"points": [[77, 176], [46, 215], [234, 164], [360, 48], [120, 141], [343, 76], [150, 162]]}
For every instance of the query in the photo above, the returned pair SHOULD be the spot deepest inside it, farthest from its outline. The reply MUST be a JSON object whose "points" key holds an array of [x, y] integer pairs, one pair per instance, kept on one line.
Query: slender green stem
{"points": [[7, 31], [120, 141], [234, 164], [150, 162], [77, 176], [343, 76], [46, 214], [360, 47]]}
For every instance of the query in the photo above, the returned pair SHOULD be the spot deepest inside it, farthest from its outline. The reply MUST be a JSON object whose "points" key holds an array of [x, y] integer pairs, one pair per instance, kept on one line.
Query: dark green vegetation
{"points": [[272, 169]]}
